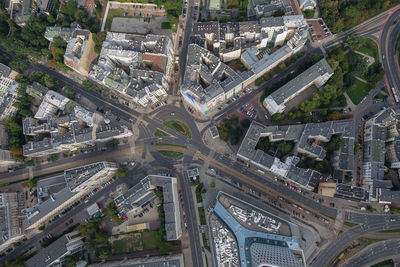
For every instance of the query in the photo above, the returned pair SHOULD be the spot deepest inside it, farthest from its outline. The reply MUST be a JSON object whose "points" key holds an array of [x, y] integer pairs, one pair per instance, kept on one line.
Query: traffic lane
{"points": [[277, 187], [387, 42], [191, 219], [379, 250], [175, 113], [66, 163]]}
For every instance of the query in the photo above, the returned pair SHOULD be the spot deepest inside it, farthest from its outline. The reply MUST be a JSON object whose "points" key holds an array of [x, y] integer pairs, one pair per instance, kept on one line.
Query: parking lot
{"points": [[318, 29]]}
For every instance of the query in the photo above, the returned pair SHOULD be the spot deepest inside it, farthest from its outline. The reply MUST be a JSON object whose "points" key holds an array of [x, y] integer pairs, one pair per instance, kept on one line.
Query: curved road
{"points": [[389, 35], [377, 252]]}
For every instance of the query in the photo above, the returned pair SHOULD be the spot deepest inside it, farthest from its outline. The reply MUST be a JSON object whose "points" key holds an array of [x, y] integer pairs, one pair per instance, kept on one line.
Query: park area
{"points": [[358, 91], [178, 126], [134, 242]]}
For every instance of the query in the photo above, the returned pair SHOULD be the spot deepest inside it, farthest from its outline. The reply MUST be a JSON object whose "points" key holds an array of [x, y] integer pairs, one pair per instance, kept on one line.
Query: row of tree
{"points": [[341, 15]]}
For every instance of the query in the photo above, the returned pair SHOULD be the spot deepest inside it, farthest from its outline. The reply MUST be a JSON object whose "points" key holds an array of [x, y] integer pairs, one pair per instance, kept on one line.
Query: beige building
{"points": [[79, 53]]}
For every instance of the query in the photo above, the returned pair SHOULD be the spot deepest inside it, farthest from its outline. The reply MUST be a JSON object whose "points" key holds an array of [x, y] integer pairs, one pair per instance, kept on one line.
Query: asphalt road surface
{"points": [[389, 35], [375, 253]]}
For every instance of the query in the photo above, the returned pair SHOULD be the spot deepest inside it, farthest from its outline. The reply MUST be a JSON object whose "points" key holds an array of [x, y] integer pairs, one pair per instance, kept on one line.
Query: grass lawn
{"points": [[350, 224], [178, 126], [397, 230], [358, 91], [369, 47], [127, 245], [167, 144], [170, 154], [205, 241], [202, 216], [364, 242], [386, 263], [150, 240], [159, 133], [394, 210]]}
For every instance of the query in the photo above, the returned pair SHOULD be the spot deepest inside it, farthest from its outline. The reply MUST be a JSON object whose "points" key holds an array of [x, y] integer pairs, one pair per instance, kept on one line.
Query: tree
{"points": [[70, 92], [324, 167], [71, 260], [314, 58], [352, 42], [112, 144], [284, 147], [212, 184], [223, 132], [334, 144], [263, 144], [335, 115], [18, 65], [245, 123], [279, 13], [356, 148], [101, 237], [333, 63], [357, 63], [121, 172], [278, 117], [103, 252]]}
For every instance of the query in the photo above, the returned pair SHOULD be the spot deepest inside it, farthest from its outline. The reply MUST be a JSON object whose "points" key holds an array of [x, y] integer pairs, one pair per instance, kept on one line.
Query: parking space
{"points": [[318, 29]]}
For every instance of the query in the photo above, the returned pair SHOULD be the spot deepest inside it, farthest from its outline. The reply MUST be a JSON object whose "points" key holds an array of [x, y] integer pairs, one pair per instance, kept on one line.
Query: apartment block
{"points": [[137, 67], [11, 231], [8, 92], [79, 53], [70, 127], [143, 193], [79, 182], [208, 81], [56, 252], [316, 75], [309, 140]]}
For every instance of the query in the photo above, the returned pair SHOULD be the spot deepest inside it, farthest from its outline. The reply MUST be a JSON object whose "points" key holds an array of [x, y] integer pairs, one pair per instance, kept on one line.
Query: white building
{"points": [[8, 92], [11, 231], [307, 4], [316, 75]]}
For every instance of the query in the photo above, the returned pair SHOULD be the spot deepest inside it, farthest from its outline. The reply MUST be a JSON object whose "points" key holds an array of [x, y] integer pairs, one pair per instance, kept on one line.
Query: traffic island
{"points": [[179, 127], [171, 150]]}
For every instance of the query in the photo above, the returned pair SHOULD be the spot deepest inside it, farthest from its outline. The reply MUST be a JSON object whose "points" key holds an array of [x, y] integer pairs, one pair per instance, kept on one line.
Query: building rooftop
{"points": [[77, 176], [171, 261], [301, 134], [258, 248], [76, 44], [69, 243], [62, 32], [142, 193], [10, 216], [351, 192], [305, 79], [5, 71]]}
